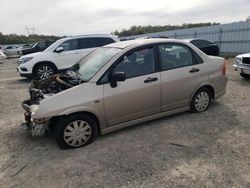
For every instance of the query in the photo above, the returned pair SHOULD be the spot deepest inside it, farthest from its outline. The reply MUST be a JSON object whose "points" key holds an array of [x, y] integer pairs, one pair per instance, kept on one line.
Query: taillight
{"points": [[224, 69]]}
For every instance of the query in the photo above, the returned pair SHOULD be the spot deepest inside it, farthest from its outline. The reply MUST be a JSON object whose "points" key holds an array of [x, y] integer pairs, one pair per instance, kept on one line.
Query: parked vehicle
{"points": [[61, 55], [208, 47], [123, 84], [25, 46], [242, 65], [11, 51], [37, 47], [2, 55]]}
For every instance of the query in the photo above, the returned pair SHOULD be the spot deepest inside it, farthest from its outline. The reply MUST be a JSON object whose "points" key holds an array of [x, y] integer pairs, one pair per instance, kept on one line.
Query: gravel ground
{"points": [[213, 150]]}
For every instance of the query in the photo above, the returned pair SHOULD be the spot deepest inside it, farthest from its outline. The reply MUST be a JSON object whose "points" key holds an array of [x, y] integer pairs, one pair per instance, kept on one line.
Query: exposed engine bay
{"points": [[40, 90]]}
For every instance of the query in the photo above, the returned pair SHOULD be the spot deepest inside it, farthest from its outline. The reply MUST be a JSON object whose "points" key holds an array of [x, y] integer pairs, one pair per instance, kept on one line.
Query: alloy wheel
{"points": [[45, 72]]}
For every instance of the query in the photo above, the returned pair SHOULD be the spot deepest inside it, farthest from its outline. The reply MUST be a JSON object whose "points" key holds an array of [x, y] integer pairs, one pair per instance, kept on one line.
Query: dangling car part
{"points": [[40, 90]]}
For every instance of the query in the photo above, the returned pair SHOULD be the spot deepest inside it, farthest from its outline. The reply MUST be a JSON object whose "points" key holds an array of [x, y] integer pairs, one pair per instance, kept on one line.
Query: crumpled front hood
{"points": [[75, 99]]}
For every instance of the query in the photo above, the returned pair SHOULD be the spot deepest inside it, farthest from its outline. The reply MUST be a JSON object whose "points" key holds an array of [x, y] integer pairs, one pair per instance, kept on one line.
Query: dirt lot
{"points": [[215, 151]]}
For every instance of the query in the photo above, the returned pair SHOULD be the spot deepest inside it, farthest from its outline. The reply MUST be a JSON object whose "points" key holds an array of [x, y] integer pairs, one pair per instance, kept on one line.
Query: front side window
{"points": [[175, 56], [70, 45], [137, 63]]}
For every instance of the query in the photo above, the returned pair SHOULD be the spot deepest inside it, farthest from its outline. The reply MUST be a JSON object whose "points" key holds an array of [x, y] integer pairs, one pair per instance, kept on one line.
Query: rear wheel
{"points": [[201, 100], [245, 75], [75, 131], [43, 71]]}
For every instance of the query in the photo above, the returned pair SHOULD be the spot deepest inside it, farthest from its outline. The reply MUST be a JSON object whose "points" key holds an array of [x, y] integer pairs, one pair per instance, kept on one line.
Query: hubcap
{"points": [[45, 72], [77, 133], [201, 101]]}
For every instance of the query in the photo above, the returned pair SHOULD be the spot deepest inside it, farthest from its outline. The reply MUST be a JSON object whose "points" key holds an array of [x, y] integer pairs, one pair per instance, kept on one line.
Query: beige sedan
{"points": [[127, 83]]}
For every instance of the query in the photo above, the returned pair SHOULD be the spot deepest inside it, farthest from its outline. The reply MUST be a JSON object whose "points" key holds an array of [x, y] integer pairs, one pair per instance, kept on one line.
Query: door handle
{"points": [[194, 70], [149, 79]]}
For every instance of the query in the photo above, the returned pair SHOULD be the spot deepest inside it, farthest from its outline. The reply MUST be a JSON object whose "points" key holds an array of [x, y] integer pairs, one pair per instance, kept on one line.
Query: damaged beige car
{"points": [[123, 84]]}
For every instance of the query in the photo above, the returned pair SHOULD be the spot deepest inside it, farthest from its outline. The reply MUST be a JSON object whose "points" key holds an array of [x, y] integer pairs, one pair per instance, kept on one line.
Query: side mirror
{"points": [[117, 77], [59, 49]]}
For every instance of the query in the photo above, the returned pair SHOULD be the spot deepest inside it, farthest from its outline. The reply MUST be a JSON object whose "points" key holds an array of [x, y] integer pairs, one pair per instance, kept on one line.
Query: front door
{"points": [[140, 94], [69, 56]]}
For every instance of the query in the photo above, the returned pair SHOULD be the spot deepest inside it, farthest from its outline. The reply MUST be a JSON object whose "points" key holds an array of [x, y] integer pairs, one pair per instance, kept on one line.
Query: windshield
{"points": [[91, 64], [33, 45]]}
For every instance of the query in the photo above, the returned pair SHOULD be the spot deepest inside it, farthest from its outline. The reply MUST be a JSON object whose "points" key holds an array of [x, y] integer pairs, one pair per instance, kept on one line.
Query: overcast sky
{"points": [[71, 17]]}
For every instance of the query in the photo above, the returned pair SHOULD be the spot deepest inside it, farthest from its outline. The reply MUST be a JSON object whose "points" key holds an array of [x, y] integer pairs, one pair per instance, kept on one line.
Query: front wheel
{"points": [[75, 131], [43, 71], [245, 75], [201, 100]]}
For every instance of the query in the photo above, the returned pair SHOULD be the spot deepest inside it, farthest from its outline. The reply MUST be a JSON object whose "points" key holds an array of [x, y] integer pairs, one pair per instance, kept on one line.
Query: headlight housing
{"points": [[238, 60], [24, 60]]}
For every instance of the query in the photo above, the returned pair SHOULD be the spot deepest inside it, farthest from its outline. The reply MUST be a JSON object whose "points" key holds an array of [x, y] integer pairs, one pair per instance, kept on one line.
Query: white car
{"points": [[2, 55], [12, 51], [242, 65], [61, 55]]}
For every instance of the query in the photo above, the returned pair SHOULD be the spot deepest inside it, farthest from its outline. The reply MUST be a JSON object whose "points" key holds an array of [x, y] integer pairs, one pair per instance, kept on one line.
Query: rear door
{"points": [[69, 56], [140, 94], [181, 72]]}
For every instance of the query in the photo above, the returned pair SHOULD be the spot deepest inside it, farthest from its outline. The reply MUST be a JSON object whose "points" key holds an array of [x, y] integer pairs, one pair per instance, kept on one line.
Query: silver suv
{"points": [[123, 84]]}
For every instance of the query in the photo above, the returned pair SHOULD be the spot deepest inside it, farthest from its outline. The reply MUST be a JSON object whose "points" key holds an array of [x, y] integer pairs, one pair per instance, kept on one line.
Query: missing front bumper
{"points": [[36, 128]]}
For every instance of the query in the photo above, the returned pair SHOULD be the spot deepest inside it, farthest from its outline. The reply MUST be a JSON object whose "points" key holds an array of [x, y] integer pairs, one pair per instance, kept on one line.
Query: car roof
{"points": [[91, 35], [139, 42], [192, 39]]}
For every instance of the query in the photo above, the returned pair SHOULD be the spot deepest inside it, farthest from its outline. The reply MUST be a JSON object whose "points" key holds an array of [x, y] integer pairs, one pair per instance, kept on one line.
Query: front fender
{"points": [[100, 117]]}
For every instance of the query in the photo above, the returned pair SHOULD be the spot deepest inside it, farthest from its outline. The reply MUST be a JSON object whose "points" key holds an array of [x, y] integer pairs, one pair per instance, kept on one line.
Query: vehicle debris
{"points": [[18, 171], [180, 145]]}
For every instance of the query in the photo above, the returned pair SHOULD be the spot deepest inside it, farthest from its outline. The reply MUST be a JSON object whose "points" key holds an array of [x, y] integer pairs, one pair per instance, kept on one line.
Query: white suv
{"points": [[61, 55]]}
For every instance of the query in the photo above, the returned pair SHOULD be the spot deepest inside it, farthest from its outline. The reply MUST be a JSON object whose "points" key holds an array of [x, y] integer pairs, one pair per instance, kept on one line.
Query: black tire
{"points": [[245, 75], [41, 66], [194, 104], [60, 130]]}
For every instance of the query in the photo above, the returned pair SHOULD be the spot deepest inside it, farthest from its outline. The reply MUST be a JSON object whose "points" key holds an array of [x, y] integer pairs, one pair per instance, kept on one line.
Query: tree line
{"points": [[137, 30], [22, 39], [133, 30]]}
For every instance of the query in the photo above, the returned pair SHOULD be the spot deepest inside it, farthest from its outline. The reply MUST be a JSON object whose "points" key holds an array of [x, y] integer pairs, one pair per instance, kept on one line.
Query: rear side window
{"points": [[94, 42], [174, 56], [70, 45], [104, 41]]}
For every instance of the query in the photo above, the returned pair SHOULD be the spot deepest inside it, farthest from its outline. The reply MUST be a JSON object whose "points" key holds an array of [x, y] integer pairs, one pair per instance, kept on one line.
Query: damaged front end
{"points": [[38, 127], [40, 90]]}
